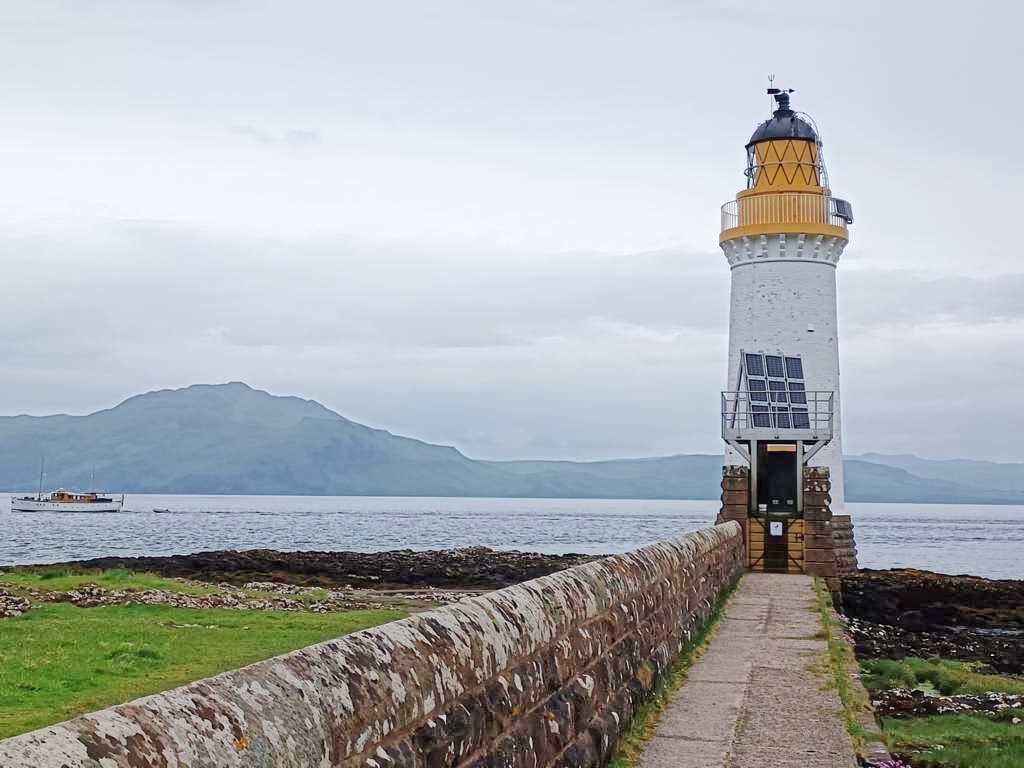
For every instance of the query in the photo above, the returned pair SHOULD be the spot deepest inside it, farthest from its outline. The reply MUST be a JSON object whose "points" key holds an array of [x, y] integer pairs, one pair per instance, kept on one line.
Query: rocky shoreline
{"points": [[317, 582], [252, 596], [12, 605], [898, 613], [913, 632], [901, 702], [471, 568]]}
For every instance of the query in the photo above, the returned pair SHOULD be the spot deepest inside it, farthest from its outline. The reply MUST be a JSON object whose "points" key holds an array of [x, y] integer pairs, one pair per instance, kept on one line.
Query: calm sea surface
{"points": [[981, 540]]}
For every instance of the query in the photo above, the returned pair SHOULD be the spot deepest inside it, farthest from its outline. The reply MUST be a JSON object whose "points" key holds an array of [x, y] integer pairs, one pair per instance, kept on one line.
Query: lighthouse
{"points": [[782, 237]]}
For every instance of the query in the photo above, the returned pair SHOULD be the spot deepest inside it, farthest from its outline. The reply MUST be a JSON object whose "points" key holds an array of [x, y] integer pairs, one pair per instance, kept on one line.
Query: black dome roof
{"points": [[784, 124]]}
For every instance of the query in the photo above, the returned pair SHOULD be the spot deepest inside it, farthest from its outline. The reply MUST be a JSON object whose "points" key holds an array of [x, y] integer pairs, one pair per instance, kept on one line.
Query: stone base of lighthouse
{"points": [[814, 542]]}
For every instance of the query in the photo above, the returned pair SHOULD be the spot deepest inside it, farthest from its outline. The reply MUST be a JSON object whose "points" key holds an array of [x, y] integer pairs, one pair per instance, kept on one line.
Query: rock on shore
{"points": [[469, 568], [921, 600], [12, 605], [900, 702], [900, 613]]}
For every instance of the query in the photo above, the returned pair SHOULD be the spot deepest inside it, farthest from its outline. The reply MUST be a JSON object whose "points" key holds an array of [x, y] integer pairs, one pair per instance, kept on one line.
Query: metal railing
{"points": [[761, 415], [784, 208]]}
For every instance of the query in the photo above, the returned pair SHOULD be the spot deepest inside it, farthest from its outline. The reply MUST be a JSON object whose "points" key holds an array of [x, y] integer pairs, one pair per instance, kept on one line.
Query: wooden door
{"points": [[775, 545]]}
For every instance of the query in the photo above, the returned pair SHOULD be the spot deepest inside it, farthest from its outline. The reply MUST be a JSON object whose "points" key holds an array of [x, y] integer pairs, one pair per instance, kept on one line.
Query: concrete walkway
{"points": [[751, 701]]}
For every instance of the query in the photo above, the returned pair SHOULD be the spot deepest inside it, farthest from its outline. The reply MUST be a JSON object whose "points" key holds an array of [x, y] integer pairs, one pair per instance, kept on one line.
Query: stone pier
{"points": [[545, 673], [757, 697]]}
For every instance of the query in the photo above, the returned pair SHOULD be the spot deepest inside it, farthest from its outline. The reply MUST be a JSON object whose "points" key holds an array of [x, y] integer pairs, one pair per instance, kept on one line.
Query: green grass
{"points": [[935, 675], [968, 741], [840, 664], [59, 580], [58, 661], [310, 596], [642, 726]]}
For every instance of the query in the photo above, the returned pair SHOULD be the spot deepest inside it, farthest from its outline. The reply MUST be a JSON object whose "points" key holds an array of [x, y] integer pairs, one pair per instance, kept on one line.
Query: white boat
{"points": [[66, 501]]}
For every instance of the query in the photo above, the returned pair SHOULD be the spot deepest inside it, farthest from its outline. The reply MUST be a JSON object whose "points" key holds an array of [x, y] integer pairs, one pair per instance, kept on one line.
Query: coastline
{"points": [[473, 568], [943, 660], [930, 647], [907, 612]]}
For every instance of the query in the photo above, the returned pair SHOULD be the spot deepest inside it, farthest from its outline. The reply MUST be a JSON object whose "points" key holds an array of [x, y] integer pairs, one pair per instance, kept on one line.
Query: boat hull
{"points": [[36, 505]]}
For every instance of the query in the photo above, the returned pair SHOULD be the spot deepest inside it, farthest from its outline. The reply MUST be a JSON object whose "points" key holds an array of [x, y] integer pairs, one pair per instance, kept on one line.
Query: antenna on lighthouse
{"points": [[781, 96]]}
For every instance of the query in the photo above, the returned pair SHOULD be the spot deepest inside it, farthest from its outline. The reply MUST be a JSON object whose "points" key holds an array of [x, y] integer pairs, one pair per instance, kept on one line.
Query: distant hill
{"points": [[988, 475], [230, 438], [870, 481]]}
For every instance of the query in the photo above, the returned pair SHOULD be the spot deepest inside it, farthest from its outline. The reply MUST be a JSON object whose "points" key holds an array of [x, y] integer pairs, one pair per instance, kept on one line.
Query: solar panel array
{"points": [[778, 392]]}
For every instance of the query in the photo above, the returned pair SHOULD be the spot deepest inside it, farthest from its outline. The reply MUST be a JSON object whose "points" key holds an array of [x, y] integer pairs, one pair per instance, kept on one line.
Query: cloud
{"points": [[294, 139], [502, 352], [249, 132], [903, 297], [266, 292], [301, 139]]}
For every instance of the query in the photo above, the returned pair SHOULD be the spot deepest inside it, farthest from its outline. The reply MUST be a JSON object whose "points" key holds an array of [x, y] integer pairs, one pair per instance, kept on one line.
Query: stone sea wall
{"points": [[829, 546], [845, 545], [545, 673]]}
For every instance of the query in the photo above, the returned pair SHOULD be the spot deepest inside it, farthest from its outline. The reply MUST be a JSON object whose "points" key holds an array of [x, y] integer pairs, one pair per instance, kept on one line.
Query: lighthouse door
{"points": [[775, 539], [776, 478]]}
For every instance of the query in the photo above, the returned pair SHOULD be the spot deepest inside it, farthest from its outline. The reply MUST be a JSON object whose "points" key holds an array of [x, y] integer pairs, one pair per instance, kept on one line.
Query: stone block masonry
{"points": [[735, 496], [830, 551], [826, 540], [545, 673], [845, 545]]}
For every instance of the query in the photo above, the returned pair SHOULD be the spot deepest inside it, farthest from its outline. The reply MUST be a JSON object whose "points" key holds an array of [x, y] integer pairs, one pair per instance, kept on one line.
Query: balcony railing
{"points": [[786, 208], [759, 415]]}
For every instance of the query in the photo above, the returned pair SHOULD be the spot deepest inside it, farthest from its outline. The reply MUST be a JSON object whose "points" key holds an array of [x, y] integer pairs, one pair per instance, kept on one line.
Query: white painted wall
{"points": [[784, 300]]}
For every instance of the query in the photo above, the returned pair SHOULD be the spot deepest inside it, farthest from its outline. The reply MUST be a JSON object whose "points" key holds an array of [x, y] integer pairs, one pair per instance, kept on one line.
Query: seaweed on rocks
{"points": [[922, 600], [899, 613], [468, 568]]}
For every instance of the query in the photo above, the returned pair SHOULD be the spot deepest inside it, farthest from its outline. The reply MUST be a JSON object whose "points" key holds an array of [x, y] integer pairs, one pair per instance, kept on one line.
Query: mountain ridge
{"points": [[232, 438]]}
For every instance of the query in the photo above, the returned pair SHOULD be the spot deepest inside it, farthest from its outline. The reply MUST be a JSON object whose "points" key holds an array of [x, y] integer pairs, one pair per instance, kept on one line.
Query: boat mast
{"points": [[42, 467]]}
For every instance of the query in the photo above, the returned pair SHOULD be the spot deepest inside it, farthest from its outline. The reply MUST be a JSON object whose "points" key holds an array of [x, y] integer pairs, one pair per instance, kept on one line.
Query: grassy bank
{"points": [[935, 677], [957, 741], [32, 582], [953, 740], [58, 661], [839, 666], [61, 579]]}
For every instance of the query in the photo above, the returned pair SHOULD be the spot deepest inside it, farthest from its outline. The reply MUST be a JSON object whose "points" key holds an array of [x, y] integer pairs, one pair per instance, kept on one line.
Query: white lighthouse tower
{"points": [[783, 236]]}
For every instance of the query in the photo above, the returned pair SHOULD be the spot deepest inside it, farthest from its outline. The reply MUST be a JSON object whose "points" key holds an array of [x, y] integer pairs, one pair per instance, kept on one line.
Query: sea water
{"points": [[984, 540]]}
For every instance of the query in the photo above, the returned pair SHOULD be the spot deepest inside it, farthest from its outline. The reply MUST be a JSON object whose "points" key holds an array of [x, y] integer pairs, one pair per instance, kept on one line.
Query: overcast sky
{"points": [[494, 224]]}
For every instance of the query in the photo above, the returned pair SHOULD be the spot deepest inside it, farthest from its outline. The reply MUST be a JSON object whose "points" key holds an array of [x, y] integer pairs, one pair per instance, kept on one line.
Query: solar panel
{"points": [[773, 382], [794, 368], [758, 390], [842, 209], [782, 420], [761, 416], [801, 420], [755, 365]]}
